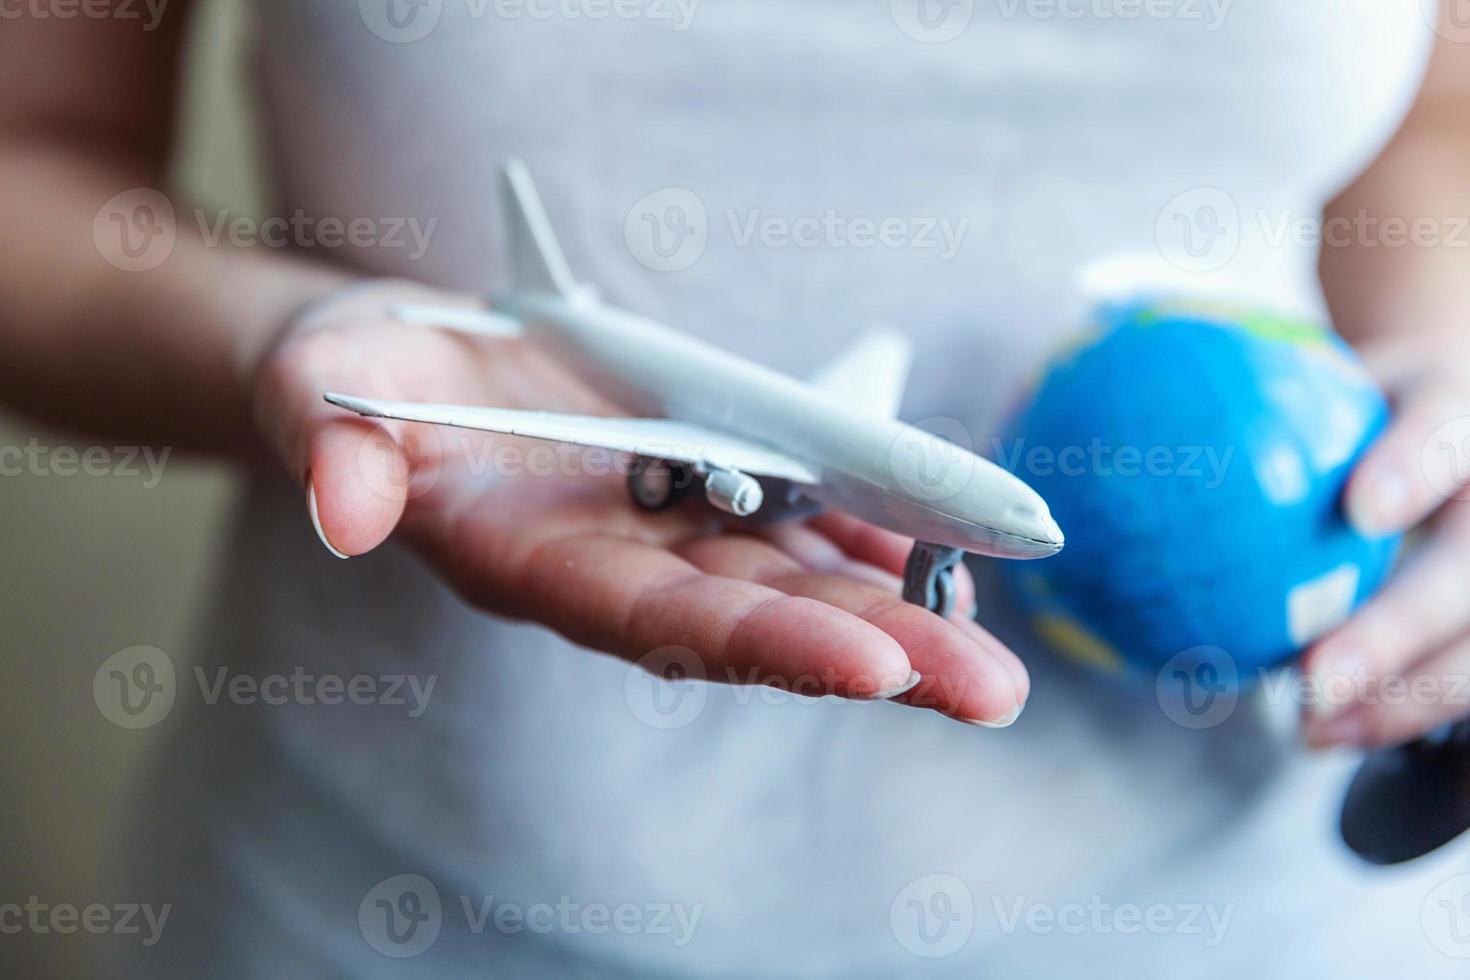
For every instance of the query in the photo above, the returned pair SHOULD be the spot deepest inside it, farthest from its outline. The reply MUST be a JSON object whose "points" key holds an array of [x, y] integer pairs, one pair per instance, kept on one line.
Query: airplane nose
{"points": [[1016, 516], [1033, 524], [1052, 533]]}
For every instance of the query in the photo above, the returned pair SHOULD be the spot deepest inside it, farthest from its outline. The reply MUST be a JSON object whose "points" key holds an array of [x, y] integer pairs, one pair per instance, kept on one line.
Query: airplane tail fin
{"points": [[536, 261]]}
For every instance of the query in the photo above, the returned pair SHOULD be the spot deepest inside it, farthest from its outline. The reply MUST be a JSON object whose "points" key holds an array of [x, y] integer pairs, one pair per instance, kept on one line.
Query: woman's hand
{"points": [[524, 530], [1401, 666]]}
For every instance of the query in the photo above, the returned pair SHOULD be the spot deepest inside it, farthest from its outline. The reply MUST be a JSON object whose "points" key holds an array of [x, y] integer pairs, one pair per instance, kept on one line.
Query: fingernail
{"points": [[1378, 508], [1005, 722], [1348, 729], [904, 688], [316, 520], [1322, 708], [974, 612]]}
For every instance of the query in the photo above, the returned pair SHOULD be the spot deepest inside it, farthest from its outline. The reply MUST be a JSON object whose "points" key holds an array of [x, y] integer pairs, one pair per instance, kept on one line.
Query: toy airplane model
{"points": [[760, 441]]}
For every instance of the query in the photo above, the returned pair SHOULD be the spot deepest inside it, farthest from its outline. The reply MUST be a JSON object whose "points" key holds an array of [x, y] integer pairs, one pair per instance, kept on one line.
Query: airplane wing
{"points": [[679, 442], [870, 376]]}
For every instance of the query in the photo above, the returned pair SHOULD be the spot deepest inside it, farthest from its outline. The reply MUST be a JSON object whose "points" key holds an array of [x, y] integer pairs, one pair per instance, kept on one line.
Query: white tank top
{"points": [[774, 175]]}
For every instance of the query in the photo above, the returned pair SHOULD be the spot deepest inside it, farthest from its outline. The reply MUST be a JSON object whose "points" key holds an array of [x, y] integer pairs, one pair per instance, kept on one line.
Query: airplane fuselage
{"points": [[881, 470]]}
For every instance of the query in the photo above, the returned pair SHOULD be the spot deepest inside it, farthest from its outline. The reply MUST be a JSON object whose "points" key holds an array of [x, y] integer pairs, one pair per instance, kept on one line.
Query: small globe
{"points": [[1195, 456]]}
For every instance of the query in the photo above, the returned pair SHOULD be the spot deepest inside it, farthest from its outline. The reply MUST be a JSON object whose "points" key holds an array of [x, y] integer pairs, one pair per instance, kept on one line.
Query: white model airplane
{"points": [[759, 440]]}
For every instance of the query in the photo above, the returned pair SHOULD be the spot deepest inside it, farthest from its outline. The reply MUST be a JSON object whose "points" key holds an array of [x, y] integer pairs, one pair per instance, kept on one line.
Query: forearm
{"points": [[1396, 250], [157, 356]]}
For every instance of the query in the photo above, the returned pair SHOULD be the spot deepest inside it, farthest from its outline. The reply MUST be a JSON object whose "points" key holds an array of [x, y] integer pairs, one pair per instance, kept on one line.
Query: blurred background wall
{"points": [[96, 564]]}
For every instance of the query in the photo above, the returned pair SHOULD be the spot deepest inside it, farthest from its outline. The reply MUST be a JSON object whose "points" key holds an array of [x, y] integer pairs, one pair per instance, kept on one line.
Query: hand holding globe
{"points": [[1203, 460]]}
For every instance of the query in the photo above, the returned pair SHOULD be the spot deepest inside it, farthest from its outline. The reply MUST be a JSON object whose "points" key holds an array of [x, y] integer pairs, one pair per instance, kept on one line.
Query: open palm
{"points": [[531, 531]]}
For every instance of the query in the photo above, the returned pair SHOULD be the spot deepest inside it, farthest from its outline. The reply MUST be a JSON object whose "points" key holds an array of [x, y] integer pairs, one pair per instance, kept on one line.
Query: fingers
{"points": [[1422, 607], [1412, 632], [357, 484], [632, 598], [1396, 361], [355, 473], [968, 680], [837, 542], [590, 568], [863, 541], [1020, 677], [1402, 707], [816, 552], [748, 611], [964, 672], [1402, 478]]}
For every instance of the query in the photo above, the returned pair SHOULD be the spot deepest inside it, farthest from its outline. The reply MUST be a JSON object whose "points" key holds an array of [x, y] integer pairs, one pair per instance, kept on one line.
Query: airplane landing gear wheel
{"points": [[944, 593], [928, 577], [656, 484]]}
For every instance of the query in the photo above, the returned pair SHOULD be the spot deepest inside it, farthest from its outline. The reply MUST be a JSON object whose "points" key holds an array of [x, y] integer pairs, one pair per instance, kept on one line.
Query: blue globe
{"points": [[1195, 457]]}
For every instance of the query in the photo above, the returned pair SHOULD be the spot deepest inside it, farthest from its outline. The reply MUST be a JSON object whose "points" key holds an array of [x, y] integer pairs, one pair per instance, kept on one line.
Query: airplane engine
{"points": [[734, 493]]}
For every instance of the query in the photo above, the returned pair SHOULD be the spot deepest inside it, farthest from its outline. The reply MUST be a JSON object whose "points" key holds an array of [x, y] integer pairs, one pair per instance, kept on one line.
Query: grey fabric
{"points": [[813, 838]]}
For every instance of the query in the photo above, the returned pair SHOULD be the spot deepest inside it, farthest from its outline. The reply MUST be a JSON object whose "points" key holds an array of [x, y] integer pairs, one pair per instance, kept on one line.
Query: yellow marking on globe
{"points": [[1069, 347], [1077, 642]]}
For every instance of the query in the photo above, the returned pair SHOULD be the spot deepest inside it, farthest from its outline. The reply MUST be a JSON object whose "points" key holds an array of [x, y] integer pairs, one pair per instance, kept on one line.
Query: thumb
{"points": [[357, 482], [354, 472], [1398, 483]]}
